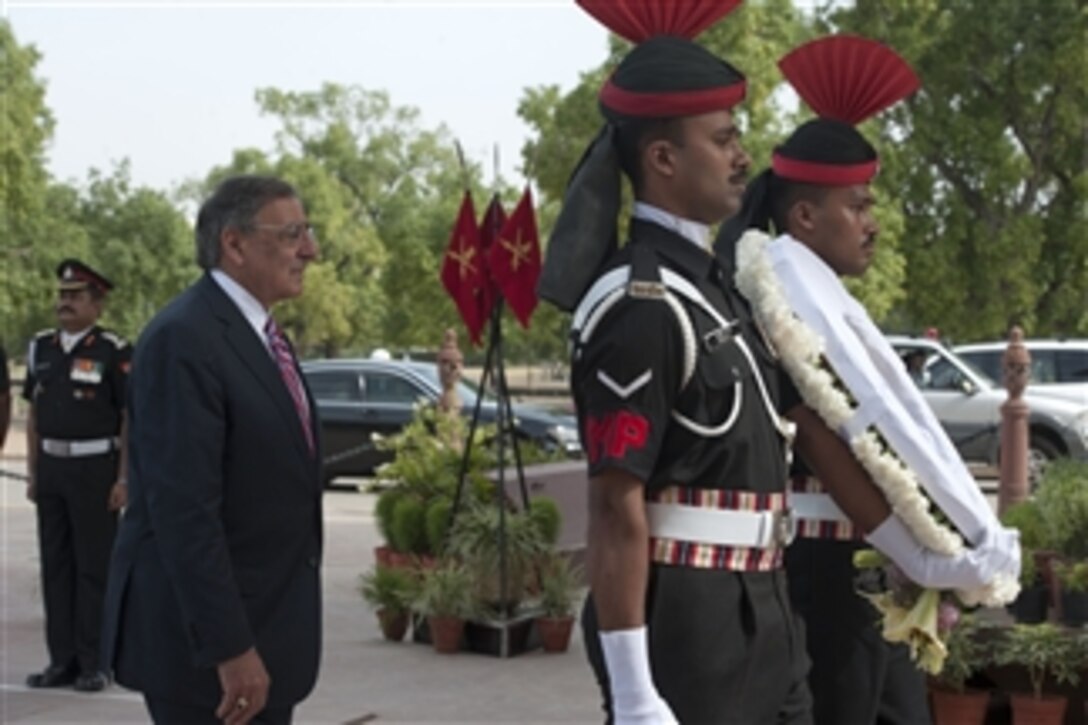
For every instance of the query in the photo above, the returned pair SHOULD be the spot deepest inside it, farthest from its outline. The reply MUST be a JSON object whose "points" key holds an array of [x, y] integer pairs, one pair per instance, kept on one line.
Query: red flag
{"points": [[490, 226], [515, 259], [462, 268]]}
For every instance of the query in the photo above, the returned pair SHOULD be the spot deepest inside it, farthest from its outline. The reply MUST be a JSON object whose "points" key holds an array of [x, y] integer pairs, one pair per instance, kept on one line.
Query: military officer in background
{"points": [[75, 384]]}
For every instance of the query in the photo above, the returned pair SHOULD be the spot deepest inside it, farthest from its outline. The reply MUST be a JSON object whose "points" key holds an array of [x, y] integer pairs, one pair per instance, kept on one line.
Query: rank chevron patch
{"points": [[625, 391]]}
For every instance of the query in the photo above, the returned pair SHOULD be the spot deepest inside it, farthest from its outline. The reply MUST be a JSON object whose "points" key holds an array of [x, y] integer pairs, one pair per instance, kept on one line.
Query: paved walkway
{"points": [[363, 678]]}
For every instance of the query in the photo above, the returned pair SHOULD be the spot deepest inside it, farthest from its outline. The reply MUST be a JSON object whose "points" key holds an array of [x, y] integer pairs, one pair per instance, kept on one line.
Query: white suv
{"points": [[968, 405], [1059, 368]]}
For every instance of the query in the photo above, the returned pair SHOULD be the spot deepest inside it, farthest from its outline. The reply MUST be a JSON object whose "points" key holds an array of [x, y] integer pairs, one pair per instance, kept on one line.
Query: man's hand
{"points": [[118, 496], [635, 700], [245, 684], [969, 569]]}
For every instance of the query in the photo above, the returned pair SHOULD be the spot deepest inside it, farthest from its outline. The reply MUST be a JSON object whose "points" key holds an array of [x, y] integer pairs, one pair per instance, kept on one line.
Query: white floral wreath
{"points": [[801, 351]]}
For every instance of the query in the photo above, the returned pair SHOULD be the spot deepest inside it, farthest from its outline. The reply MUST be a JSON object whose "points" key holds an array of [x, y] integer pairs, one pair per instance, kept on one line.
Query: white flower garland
{"points": [[801, 349]]}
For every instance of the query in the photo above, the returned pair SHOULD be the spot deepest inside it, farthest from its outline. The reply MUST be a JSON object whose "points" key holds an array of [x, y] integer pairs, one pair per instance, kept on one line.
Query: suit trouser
{"points": [[857, 677], [167, 712], [724, 647], [75, 538]]}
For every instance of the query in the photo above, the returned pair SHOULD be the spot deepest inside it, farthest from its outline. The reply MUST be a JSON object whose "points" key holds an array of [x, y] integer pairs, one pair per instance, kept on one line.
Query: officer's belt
{"points": [[815, 507], [720, 527], [79, 449]]}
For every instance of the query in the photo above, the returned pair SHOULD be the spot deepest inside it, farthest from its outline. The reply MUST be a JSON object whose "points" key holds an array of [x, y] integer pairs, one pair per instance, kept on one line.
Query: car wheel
{"points": [[1041, 451]]}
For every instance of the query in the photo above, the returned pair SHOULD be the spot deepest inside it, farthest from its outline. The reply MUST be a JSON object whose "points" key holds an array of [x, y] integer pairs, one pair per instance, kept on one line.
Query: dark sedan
{"points": [[357, 398]]}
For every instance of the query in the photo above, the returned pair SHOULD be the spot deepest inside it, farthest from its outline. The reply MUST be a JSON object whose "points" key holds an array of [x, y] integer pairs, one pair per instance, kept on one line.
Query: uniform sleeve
{"points": [[122, 363], [627, 381]]}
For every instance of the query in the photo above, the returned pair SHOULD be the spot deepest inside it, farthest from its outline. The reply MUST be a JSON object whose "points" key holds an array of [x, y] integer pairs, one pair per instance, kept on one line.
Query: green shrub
{"points": [[390, 588], [544, 512], [446, 591], [1063, 504], [1073, 575], [560, 583], [1028, 519], [383, 511], [409, 535], [474, 540], [967, 653], [1045, 650], [438, 519]]}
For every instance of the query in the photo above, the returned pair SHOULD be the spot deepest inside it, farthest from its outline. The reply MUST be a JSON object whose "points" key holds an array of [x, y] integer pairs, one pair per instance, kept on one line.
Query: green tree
{"points": [[397, 187], [989, 161], [26, 127], [140, 240]]}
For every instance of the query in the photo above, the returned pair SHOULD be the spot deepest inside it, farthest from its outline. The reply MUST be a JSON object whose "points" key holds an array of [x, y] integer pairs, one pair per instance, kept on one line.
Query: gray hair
{"points": [[234, 203]]}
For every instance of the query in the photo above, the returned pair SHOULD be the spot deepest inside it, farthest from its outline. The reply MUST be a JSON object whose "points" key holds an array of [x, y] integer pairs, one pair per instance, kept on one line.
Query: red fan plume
{"points": [[848, 78], [638, 20]]}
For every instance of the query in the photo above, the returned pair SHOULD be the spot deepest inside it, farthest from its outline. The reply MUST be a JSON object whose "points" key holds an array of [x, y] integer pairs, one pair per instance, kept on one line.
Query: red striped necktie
{"points": [[285, 360]]}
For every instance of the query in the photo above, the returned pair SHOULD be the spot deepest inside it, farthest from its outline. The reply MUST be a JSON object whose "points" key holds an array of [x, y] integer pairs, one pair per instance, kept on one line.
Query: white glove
{"points": [[1002, 547], [969, 569], [634, 698]]}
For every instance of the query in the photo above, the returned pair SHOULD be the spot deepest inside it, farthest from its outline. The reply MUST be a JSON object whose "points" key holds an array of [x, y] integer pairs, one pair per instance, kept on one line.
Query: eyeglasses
{"points": [[292, 233]]}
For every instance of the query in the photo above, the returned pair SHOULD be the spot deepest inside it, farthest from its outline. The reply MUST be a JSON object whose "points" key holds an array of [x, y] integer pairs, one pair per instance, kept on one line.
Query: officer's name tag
{"points": [[86, 371]]}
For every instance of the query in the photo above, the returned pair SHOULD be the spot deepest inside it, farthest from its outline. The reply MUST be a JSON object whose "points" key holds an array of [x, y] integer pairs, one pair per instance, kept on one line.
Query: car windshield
{"points": [[466, 389], [943, 372]]}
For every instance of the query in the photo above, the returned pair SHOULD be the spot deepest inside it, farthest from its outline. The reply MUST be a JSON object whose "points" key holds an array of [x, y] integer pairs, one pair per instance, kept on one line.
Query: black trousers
{"points": [[166, 712], [724, 647], [857, 677], [75, 538]]}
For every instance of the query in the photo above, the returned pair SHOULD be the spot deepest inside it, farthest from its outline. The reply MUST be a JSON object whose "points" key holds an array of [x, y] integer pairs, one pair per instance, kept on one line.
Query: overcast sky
{"points": [[170, 84]]}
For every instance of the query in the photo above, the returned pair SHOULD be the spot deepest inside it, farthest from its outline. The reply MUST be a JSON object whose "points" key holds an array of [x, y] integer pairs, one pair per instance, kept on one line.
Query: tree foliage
{"points": [[26, 127], [989, 161]]}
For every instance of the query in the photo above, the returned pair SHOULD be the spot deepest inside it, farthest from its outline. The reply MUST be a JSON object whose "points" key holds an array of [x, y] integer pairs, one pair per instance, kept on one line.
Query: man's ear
{"points": [[802, 215], [231, 245], [659, 156]]}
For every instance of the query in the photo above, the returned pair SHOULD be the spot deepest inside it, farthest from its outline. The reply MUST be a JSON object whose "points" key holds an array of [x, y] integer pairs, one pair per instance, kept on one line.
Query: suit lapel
{"points": [[242, 338]]}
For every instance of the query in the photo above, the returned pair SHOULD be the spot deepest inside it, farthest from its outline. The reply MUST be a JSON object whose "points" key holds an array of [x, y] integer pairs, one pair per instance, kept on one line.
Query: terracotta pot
{"points": [[1046, 710], [554, 633], [446, 633], [381, 555], [400, 560], [394, 623], [959, 708]]}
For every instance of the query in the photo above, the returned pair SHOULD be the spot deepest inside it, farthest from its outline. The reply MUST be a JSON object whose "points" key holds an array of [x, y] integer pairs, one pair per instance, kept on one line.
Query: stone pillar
{"points": [[450, 363], [1016, 366]]}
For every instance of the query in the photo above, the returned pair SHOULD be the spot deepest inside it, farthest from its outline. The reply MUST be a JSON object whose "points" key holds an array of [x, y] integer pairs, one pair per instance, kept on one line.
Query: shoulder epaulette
{"points": [[116, 339], [45, 333]]}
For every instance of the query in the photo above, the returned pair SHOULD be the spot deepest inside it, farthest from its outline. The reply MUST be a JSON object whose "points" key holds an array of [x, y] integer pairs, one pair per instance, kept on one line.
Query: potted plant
{"points": [[1062, 499], [427, 457], [953, 702], [1073, 577], [1030, 606], [1046, 652], [446, 599], [475, 541], [560, 582], [390, 591]]}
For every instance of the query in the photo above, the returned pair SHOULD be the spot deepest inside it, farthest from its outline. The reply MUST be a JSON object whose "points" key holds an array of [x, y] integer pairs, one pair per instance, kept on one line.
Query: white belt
{"points": [[721, 527], [815, 507], [79, 449]]}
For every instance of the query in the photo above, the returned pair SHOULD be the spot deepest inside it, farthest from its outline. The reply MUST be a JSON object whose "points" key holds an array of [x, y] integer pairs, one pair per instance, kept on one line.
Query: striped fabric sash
{"points": [[711, 556]]}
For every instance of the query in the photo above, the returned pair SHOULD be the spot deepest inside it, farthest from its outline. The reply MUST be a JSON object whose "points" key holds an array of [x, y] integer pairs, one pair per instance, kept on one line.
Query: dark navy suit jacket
{"points": [[220, 545]]}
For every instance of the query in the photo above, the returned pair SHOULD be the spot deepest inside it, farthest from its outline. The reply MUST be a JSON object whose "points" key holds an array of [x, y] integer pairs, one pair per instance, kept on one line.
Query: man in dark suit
{"points": [[213, 608]]}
